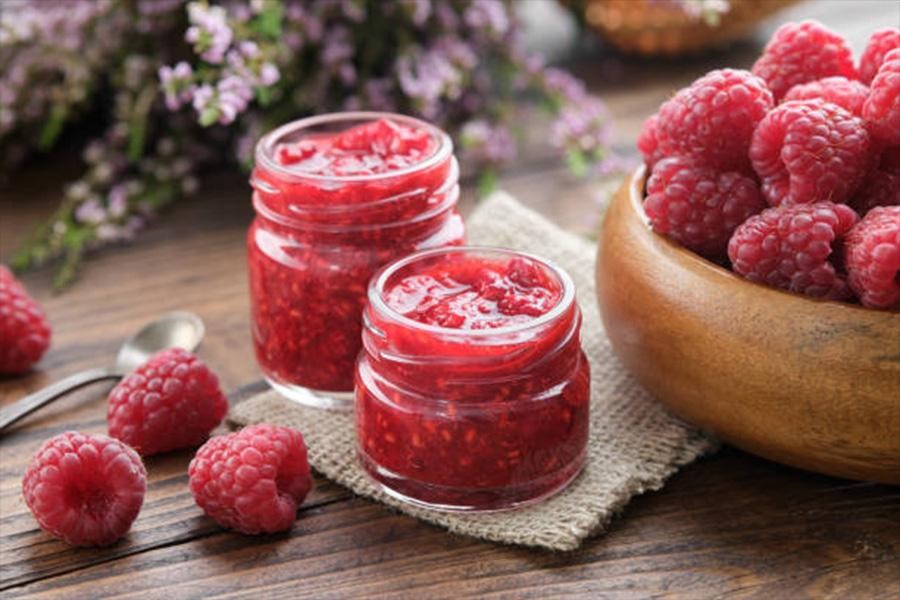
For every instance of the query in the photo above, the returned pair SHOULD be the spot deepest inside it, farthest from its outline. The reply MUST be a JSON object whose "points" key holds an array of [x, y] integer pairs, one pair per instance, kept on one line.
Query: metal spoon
{"points": [[176, 329]]}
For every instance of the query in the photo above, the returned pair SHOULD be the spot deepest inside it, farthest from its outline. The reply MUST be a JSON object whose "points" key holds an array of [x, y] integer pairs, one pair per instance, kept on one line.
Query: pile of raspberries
{"points": [[790, 172]]}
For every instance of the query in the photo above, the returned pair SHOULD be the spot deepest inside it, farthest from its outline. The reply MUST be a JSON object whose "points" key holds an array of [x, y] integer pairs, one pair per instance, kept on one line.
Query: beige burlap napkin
{"points": [[635, 443]]}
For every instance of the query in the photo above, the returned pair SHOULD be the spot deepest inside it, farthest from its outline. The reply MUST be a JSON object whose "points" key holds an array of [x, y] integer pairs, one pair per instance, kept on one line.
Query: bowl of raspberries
{"points": [[748, 273]]}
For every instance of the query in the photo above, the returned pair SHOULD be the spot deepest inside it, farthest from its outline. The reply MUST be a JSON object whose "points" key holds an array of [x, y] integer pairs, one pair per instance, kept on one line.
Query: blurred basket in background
{"points": [[666, 28]]}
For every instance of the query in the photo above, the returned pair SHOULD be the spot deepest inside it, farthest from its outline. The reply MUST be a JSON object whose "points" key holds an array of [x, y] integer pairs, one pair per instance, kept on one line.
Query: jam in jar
{"points": [[472, 391], [336, 197]]}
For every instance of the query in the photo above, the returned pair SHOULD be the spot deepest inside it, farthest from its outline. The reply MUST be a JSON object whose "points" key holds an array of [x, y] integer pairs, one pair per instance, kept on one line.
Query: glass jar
{"points": [[319, 236], [471, 419]]}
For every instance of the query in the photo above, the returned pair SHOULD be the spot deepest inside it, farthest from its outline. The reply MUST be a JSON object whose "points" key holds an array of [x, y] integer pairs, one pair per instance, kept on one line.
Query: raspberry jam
{"points": [[472, 392], [337, 197]]}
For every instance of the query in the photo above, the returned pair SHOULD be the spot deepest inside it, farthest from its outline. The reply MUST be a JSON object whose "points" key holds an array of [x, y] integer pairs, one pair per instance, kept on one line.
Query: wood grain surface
{"points": [[731, 525]]}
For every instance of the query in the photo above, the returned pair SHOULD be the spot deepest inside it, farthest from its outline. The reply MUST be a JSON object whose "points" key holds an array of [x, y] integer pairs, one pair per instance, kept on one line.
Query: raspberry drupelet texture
{"points": [[172, 401], [849, 94], [252, 480], [880, 43], [712, 120], [882, 107], [872, 251], [802, 52], [648, 142], [810, 151], [790, 247], [24, 331], [85, 489], [698, 206]]}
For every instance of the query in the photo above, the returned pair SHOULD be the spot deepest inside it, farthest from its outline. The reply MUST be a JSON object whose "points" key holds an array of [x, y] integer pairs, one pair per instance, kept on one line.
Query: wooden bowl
{"points": [[812, 384], [652, 28]]}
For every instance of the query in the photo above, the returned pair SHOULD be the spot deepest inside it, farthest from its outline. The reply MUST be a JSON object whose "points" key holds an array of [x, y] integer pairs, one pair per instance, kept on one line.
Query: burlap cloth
{"points": [[635, 443]]}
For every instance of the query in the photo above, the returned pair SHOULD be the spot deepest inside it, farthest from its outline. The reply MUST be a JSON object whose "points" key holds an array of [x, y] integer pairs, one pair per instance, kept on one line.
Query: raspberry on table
{"points": [[880, 43], [810, 151], [252, 480], [849, 94], [85, 489], [172, 401], [713, 119], [791, 247], [802, 52], [24, 331], [648, 142], [698, 206], [882, 107], [872, 250]]}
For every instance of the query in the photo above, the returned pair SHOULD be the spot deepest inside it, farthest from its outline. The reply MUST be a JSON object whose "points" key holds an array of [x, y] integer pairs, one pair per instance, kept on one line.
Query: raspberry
{"points": [[253, 480], [85, 489], [802, 52], [810, 151], [648, 142], [24, 331], [849, 94], [171, 401], [873, 258], [699, 207], [713, 119], [879, 189], [789, 247], [882, 107], [880, 43]]}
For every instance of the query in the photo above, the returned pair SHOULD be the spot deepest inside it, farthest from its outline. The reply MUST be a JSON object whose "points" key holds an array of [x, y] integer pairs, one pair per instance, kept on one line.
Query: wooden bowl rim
{"points": [[706, 268]]}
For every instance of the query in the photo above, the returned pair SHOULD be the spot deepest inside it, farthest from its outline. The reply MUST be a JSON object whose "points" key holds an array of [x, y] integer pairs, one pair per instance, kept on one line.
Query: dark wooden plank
{"points": [[769, 531]]}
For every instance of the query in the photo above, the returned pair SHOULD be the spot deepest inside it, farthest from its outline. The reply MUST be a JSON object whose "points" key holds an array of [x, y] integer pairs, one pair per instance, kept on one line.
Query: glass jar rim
{"points": [[264, 152], [378, 281]]}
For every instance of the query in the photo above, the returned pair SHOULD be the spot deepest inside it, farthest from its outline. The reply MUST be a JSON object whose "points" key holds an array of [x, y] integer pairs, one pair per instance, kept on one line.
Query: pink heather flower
{"points": [[489, 16], [486, 142], [176, 84], [209, 32], [90, 212], [418, 10]]}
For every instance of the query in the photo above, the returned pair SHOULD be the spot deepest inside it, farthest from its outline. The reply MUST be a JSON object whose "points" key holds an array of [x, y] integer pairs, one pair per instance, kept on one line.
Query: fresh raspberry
{"points": [[713, 119], [171, 401], [882, 107], [849, 94], [872, 250], [85, 489], [879, 189], [789, 247], [880, 43], [810, 151], [648, 142], [802, 52], [24, 331], [252, 480], [698, 206]]}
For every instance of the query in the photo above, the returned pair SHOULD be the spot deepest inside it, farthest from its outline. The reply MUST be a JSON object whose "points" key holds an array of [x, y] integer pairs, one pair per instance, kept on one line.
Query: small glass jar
{"points": [[318, 238], [471, 419]]}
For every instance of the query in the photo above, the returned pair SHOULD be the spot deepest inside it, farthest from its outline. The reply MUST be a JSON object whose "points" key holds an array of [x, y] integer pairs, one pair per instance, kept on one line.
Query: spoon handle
{"points": [[15, 411]]}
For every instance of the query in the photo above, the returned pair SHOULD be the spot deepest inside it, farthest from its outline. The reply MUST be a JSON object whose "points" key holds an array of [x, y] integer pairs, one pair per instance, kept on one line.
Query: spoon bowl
{"points": [[172, 330]]}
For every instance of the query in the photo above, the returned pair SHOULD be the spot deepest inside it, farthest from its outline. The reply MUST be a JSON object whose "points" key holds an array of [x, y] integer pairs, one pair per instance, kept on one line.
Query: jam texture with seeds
{"points": [[487, 406], [318, 238]]}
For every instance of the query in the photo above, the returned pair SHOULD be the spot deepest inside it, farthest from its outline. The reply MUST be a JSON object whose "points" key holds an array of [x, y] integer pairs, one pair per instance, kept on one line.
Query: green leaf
{"points": [[577, 162], [53, 127], [487, 183], [263, 95], [209, 116], [268, 22]]}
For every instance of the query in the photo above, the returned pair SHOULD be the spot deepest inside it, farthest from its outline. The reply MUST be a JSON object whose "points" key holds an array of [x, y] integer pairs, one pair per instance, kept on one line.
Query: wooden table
{"points": [[729, 525]]}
